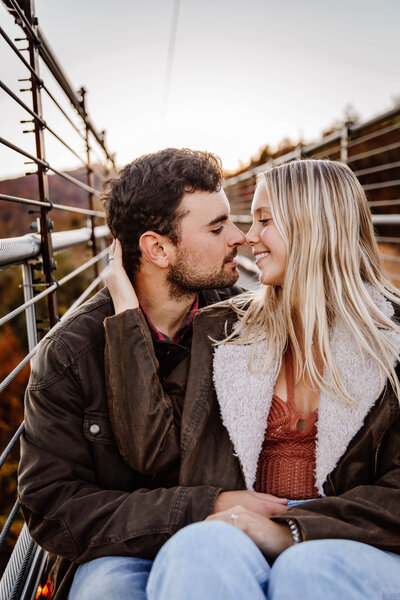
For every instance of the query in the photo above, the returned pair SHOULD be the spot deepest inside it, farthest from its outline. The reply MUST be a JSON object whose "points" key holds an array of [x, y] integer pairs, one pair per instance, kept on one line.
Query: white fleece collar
{"points": [[245, 398]]}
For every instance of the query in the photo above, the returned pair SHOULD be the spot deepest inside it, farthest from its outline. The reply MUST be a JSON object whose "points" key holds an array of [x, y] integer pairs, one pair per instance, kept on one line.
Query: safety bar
{"points": [[50, 205]]}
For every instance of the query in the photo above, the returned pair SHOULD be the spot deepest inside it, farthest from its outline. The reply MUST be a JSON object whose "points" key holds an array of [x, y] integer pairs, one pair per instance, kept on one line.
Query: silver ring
{"points": [[234, 518], [110, 258]]}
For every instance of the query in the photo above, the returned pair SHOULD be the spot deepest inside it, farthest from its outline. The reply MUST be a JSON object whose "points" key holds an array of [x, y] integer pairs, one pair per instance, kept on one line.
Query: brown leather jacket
{"points": [[362, 489], [80, 498]]}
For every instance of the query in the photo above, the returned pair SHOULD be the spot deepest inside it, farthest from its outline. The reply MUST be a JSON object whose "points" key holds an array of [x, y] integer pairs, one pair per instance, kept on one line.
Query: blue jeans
{"points": [[111, 578], [218, 561]]}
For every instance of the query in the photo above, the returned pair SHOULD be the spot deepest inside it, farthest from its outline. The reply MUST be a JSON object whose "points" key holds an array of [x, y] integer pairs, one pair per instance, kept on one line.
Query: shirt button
{"points": [[94, 429]]}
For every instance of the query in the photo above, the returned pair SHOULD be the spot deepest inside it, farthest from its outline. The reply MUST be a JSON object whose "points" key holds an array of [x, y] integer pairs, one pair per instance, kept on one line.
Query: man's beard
{"points": [[184, 278]]}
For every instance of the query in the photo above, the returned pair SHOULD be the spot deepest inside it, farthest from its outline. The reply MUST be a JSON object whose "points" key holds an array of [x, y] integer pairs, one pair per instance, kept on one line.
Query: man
{"points": [[82, 499]]}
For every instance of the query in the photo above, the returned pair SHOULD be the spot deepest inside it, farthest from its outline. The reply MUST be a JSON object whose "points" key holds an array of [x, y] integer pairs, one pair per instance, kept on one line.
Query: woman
{"points": [[306, 381]]}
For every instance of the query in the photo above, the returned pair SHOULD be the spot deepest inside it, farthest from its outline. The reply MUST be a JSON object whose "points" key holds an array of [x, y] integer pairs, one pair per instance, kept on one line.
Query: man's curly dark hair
{"points": [[147, 193]]}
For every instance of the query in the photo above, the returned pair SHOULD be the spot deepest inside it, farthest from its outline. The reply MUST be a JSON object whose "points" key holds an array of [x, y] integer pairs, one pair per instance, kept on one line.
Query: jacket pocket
{"points": [[97, 428]]}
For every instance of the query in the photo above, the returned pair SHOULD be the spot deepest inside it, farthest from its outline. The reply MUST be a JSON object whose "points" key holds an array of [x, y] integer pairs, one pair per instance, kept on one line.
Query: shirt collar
{"points": [[187, 322]]}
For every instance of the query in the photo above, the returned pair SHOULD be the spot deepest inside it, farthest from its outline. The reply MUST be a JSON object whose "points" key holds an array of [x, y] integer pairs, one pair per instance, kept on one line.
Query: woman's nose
{"points": [[251, 237]]}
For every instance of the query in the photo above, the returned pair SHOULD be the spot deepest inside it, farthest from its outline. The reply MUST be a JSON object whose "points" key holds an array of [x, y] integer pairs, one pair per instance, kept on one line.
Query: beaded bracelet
{"points": [[294, 530]]}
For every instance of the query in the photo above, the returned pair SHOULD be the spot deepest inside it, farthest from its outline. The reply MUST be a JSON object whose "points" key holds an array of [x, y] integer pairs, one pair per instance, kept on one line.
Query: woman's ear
{"points": [[155, 248]]}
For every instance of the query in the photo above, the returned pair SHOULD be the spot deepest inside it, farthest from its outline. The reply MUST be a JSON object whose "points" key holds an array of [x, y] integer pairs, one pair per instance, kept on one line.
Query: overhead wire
{"points": [[170, 57]]}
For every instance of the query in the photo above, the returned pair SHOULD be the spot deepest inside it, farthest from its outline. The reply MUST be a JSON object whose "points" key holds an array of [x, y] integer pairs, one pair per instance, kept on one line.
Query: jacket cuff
{"points": [[192, 505]]}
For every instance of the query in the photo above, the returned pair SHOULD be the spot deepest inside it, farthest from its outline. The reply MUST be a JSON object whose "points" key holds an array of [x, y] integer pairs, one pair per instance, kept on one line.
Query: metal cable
{"points": [[29, 201], [11, 444], [16, 566], [9, 522], [86, 293], [52, 288], [17, 369], [32, 353], [28, 27], [170, 55], [41, 121], [47, 166]]}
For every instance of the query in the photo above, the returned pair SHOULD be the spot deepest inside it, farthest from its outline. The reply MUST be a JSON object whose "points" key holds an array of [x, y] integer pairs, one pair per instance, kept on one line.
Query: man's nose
{"points": [[238, 237]]}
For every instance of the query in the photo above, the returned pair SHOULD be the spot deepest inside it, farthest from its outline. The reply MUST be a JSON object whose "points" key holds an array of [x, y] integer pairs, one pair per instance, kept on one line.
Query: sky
{"points": [[244, 73]]}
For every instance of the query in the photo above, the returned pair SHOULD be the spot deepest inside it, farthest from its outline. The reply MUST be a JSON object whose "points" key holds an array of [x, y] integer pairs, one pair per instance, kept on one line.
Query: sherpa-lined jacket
{"points": [[80, 498], [219, 435]]}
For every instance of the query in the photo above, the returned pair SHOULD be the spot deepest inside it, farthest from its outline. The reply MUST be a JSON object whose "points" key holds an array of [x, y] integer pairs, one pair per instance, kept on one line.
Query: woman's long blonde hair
{"points": [[322, 214]]}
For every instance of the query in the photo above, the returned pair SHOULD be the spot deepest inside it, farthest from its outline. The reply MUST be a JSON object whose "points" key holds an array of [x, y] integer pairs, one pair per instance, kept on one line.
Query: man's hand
{"points": [[272, 538], [122, 292], [262, 504]]}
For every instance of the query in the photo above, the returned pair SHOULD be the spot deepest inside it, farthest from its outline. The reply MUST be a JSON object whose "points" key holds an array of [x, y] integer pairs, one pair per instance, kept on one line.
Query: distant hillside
{"points": [[15, 219]]}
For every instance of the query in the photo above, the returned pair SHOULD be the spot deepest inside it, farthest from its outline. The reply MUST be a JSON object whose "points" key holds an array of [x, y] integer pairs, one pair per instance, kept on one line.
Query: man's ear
{"points": [[155, 248]]}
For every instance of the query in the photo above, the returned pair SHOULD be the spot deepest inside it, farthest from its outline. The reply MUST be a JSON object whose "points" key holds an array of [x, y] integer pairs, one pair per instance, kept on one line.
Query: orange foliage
{"points": [[11, 406]]}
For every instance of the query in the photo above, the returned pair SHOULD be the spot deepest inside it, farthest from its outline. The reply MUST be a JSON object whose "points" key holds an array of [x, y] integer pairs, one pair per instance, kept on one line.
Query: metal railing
{"points": [[372, 150], [35, 252]]}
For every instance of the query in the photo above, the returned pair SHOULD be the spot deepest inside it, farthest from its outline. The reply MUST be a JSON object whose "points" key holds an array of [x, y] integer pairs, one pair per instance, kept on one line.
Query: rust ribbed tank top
{"points": [[286, 465]]}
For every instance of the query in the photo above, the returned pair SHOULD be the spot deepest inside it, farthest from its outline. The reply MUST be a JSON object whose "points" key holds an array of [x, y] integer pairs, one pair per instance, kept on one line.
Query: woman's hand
{"points": [[256, 502], [122, 292], [272, 538]]}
